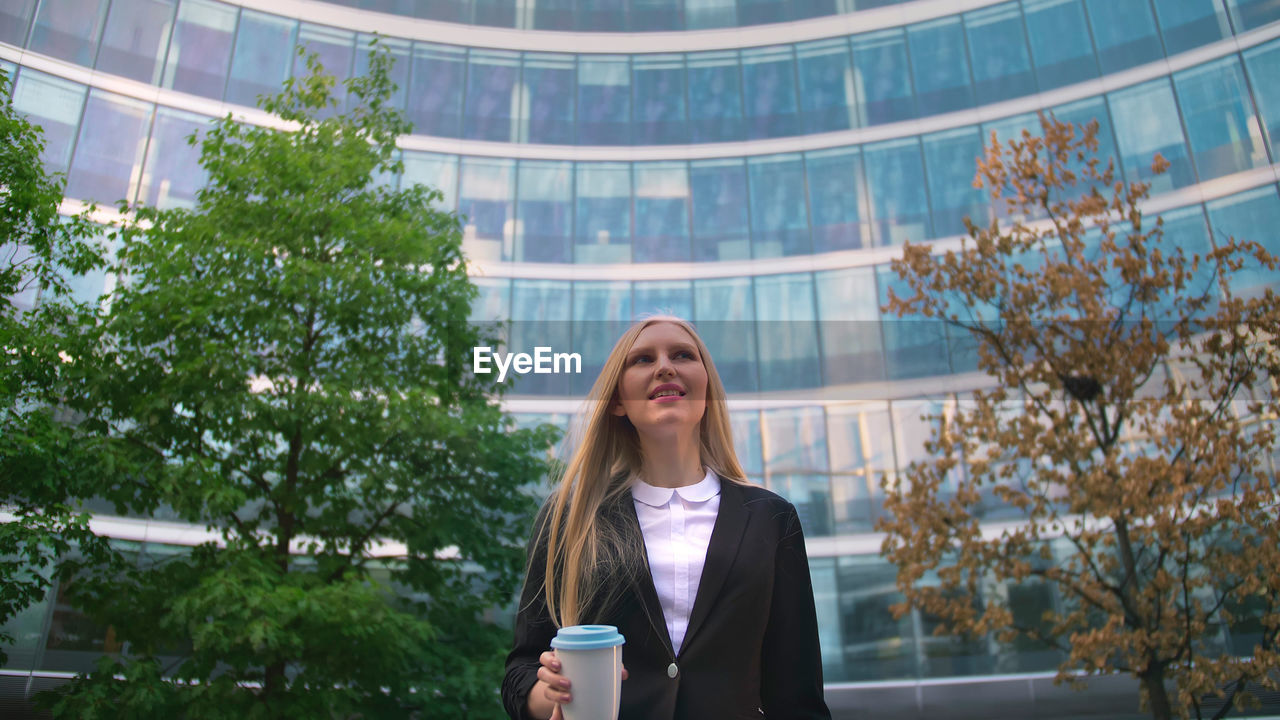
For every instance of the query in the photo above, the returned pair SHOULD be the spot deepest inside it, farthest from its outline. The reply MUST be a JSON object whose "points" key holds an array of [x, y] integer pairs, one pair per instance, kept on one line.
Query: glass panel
{"points": [[779, 219], [769, 92], [914, 346], [876, 646], [1146, 123], [1218, 114], [837, 200], [108, 157], [548, 85], [68, 29], [1186, 24], [172, 174], [1263, 63], [651, 15], [662, 213], [795, 440], [544, 214], [1250, 14], [951, 160], [862, 452], [800, 9], [719, 216], [540, 317], [446, 10], [603, 219], [601, 313], [491, 104], [826, 86], [263, 55], [826, 601], [1185, 228], [701, 14], [880, 67], [1001, 61], [435, 171], [747, 439], [485, 196], [55, 105], [659, 103], [495, 13], [849, 322], [663, 297], [553, 15], [760, 12], [723, 313], [811, 494], [493, 302], [788, 333], [1056, 30], [940, 66], [604, 101], [1252, 215], [200, 51], [1124, 33], [601, 15], [27, 628], [402, 58], [435, 100], [895, 182], [334, 49], [15, 18], [135, 38], [715, 97], [1081, 113]]}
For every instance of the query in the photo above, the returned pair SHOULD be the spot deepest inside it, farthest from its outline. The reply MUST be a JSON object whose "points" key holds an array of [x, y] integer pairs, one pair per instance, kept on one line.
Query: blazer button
{"points": [[672, 671]]}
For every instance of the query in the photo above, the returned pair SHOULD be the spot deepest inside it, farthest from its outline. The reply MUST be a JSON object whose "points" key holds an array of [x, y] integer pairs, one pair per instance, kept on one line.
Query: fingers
{"points": [[625, 674], [556, 714], [555, 687]]}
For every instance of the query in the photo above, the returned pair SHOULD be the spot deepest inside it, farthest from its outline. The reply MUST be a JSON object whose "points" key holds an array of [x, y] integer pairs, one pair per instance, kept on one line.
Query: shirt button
{"points": [[672, 671]]}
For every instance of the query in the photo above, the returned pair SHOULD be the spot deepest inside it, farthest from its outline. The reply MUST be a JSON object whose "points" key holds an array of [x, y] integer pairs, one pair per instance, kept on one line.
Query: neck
{"points": [[672, 461]]}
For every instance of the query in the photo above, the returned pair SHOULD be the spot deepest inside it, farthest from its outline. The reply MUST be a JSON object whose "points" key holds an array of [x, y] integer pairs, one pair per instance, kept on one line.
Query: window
{"points": [[1124, 34], [769, 92], [262, 57], [435, 103], [200, 51], [660, 118], [172, 174], [837, 200], [1217, 111], [725, 317], [544, 212], [715, 97], [15, 17], [135, 39], [490, 108], [662, 213], [849, 324], [109, 150], [602, 222], [604, 100], [914, 346], [895, 183], [779, 218], [55, 105], [826, 86], [940, 66], [401, 52], [1187, 24], [1250, 14], [951, 160], [601, 312], [861, 456], [540, 317], [788, 332], [1263, 63], [335, 51], [485, 195], [439, 172], [1001, 61], [68, 29], [1058, 35], [663, 297], [1252, 215], [720, 230], [881, 78], [547, 114], [1146, 123]]}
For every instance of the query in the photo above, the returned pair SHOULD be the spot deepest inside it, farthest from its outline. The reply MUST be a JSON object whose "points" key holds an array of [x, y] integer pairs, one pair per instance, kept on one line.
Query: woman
{"points": [[654, 529]]}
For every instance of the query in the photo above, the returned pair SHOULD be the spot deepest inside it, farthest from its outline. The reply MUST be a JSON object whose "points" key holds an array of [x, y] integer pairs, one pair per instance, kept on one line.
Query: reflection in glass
{"points": [[659, 104], [940, 66], [108, 156], [548, 113], [1001, 61], [435, 98], [135, 37], [769, 92], [1250, 14], [719, 215], [55, 105], [1263, 63], [723, 313], [68, 29], [710, 14], [1221, 126], [715, 97], [485, 193], [1056, 32], [861, 454], [951, 158], [881, 73], [914, 346], [490, 108], [837, 200], [544, 213], [1124, 34], [895, 182], [1146, 123], [876, 646], [849, 324], [826, 86], [663, 297], [15, 17], [602, 222], [262, 57], [1186, 24], [788, 332], [604, 100], [779, 218], [601, 313], [662, 213], [333, 48], [1251, 215], [747, 439], [172, 174], [401, 57], [540, 317], [200, 50], [435, 171]]}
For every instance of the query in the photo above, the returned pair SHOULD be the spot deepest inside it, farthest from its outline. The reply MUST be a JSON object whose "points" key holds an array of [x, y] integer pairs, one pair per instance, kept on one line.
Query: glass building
{"points": [[753, 165]]}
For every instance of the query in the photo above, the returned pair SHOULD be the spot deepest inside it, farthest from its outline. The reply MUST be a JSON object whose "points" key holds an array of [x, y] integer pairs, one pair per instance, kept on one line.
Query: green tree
{"points": [[1126, 435], [43, 466], [293, 353]]}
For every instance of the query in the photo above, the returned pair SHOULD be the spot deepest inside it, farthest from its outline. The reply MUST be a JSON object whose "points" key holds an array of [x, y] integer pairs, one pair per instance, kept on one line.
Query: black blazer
{"points": [[751, 649]]}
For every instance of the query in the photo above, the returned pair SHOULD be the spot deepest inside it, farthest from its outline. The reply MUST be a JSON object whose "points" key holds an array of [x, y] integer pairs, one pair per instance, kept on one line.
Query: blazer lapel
{"points": [[726, 538], [643, 584]]}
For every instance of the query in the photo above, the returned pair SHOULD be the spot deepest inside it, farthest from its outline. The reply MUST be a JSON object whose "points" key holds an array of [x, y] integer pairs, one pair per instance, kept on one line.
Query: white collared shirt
{"points": [[676, 524]]}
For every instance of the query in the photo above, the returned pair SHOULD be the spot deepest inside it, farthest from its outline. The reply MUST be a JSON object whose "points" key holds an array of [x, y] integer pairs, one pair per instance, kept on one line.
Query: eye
{"points": [[641, 358]]}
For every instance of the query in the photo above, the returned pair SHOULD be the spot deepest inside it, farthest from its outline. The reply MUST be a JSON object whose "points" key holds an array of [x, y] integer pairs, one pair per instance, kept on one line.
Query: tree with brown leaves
{"points": [[1126, 433]]}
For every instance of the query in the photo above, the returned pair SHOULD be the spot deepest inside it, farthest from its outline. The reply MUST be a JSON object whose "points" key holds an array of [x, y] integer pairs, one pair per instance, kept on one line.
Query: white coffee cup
{"points": [[591, 659]]}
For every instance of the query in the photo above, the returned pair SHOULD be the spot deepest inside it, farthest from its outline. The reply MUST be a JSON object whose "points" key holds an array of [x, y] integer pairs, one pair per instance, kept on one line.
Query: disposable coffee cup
{"points": [[591, 659]]}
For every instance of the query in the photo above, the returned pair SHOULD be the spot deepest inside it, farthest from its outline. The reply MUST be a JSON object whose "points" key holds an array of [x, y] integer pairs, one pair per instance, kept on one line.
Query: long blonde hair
{"points": [[586, 558]]}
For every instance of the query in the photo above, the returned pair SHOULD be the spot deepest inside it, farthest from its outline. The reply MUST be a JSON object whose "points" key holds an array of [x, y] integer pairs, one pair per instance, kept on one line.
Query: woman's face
{"points": [[663, 388]]}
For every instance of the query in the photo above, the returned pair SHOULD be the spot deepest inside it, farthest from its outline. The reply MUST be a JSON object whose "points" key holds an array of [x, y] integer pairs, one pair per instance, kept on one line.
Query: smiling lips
{"points": [[668, 392]]}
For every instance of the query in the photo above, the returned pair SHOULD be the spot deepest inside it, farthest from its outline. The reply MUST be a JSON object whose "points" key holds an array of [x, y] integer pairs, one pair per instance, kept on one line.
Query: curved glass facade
{"points": [[758, 190]]}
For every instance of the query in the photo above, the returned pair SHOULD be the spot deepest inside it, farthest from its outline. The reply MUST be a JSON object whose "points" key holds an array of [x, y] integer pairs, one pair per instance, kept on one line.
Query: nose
{"points": [[664, 368]]}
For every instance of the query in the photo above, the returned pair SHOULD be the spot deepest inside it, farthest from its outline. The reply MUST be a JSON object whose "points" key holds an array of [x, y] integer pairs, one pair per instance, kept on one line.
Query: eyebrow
{"points": [[678, 345]]}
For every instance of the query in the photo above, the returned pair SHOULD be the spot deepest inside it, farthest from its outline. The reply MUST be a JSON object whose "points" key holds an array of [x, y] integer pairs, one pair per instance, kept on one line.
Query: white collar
{"points": [[655, 496]]}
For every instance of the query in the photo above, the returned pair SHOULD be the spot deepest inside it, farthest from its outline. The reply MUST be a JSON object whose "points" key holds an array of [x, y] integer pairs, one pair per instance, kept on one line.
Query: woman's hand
{"points": [[552, 689]]}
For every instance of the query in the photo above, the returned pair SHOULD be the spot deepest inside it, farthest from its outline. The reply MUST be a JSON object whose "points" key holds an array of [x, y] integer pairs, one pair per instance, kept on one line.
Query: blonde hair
{"points": [[586, 557]]}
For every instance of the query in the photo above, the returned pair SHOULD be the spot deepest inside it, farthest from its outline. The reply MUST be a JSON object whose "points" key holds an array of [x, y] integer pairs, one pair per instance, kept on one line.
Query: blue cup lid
{"points": [[587, 637]]}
